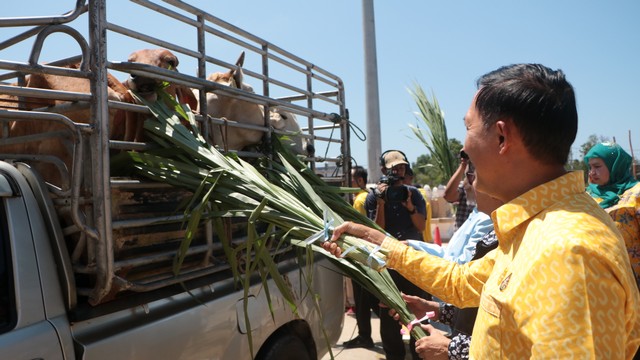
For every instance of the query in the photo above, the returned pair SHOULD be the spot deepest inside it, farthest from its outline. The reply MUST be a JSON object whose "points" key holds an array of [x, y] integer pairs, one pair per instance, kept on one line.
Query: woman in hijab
{"points": [[618, 193]]}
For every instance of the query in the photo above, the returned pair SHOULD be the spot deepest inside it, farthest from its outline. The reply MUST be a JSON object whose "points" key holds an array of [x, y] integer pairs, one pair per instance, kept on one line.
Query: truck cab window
{"points": [[6, 280]]}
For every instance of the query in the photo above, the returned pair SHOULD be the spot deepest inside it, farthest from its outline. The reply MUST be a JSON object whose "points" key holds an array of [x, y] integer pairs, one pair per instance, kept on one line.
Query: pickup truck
{"points": [[86, 269]]}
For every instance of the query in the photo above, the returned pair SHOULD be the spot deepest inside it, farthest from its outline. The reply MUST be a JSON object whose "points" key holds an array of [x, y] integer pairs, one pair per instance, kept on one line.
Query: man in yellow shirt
{"points": [[359, 178], [560, 284]]}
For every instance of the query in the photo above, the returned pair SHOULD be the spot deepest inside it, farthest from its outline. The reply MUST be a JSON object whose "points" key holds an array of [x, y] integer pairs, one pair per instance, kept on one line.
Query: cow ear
{"points": [[240, 61], [237, 73], [238, 76]]}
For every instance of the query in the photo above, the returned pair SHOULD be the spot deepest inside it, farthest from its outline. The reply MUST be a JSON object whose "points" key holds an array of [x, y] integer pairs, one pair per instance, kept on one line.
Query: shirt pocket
{"points": [[490, 305]]}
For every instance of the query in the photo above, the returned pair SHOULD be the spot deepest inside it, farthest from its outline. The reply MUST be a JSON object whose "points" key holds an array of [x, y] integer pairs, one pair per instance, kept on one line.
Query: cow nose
{"points": [[144, 84]]}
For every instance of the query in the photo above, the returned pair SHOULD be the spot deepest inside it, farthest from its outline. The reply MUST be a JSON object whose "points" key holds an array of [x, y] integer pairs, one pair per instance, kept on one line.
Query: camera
{"points": [[395, 192]]}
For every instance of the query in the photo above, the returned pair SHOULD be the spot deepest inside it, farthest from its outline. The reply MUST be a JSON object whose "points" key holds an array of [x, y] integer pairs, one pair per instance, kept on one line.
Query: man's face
{"points": [[357, 181], [399, 170], [478, 145]]}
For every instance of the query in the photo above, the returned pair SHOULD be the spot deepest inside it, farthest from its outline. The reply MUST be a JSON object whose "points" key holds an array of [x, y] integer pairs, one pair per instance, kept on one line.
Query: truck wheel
{"points": [[287, 347]]}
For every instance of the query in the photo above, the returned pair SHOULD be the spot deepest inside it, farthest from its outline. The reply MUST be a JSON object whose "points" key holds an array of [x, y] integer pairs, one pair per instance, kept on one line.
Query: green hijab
{"points": [[618, 162]]}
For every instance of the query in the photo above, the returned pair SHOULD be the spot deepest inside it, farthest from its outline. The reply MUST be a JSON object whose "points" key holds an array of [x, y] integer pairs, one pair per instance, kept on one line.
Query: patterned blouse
{"points": [[626, 215]]}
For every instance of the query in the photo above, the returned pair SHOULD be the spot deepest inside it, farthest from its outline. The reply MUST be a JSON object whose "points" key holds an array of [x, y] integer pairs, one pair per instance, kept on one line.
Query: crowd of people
{"points": [[537, 267]]}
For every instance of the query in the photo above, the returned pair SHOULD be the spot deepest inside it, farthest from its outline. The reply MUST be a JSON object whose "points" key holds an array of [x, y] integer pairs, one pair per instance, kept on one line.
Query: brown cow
{"points": [[148, 87], [60, 146], [123, 125]]}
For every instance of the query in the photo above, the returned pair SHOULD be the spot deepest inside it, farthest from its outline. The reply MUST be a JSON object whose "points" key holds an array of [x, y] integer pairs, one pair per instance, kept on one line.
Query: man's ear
{"points": [[504, 132]]}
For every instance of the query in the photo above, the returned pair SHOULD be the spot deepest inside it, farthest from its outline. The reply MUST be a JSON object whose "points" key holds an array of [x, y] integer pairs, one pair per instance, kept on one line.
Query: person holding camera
{"points": [[401, 211], [455, 192]]}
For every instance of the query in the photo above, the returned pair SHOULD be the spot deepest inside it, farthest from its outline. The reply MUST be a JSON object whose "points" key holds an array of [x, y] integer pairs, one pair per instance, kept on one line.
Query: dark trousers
{"points": [[365, 302], [392, 343]]}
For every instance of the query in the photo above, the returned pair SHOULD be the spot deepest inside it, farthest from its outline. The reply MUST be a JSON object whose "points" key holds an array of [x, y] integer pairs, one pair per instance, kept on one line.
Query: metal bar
{"points": [[151, 39], [130, 223], [232, 39], [20, 37], [169, 279], [24, 67], [163, 256], [327, 139], [44, 94], [332, 93], [327, 127], [75, 131], [227, 26], [48, 30], [43, 69], [309, 118], [187, 80], [46, 20], [99, 151], [202, 73]]}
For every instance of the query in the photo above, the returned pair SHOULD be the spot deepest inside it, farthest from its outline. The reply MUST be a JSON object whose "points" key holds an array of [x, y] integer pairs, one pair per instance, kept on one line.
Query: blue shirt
{"points": [[462, 245]]}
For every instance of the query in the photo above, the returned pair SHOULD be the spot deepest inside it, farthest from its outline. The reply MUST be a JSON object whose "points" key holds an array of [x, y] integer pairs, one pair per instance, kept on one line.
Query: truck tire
{"points": [[287, 347]]}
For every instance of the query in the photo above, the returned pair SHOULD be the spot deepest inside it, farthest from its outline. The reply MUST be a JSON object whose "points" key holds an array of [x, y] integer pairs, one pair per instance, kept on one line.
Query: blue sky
{"points": [[442, 46]]}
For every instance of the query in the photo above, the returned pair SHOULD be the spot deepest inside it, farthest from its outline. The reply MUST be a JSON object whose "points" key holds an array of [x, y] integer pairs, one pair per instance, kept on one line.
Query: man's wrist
{"points": [[412, 211]]}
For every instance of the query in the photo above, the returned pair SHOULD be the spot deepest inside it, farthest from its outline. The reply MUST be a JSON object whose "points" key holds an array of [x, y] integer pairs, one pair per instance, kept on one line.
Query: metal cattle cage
{"points": [[100, 228]]}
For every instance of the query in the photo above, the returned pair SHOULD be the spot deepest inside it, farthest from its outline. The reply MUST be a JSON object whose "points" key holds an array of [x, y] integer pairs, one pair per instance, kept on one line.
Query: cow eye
{"points": [[173, 63]]}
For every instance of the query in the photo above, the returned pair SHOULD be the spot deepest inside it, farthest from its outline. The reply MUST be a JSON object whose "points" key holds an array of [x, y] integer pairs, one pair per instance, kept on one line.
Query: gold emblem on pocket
{"points": [[505, 282]]}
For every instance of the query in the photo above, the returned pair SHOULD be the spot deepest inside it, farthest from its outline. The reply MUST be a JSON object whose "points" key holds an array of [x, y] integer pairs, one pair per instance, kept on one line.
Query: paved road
{"points": [[349, 331]]}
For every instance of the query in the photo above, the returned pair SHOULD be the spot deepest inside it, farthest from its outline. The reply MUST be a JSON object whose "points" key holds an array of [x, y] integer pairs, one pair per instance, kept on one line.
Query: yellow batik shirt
{"points": [[558, 286]]}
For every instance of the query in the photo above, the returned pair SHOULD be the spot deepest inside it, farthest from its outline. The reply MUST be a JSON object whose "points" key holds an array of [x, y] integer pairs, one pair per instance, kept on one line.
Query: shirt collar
{"points": [[511, 215]]}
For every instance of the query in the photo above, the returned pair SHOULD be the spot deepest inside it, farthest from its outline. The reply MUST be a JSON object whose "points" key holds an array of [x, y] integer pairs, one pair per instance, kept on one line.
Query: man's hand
{"points": [[380, 190], [433, 347], [358, 230], [409, 204]]}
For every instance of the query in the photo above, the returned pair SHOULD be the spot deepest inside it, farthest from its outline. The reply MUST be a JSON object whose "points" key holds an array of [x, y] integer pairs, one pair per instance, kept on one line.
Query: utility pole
{"points": [[633, 158], [374, 147]]}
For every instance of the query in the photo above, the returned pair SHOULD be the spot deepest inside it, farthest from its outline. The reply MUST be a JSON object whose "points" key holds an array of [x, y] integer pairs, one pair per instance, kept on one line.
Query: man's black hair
{"points": [[359, 171], [540, 102]]}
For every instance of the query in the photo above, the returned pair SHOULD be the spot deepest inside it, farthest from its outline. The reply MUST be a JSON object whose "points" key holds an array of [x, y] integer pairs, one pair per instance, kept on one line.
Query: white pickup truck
{"points": [[86, 268]]}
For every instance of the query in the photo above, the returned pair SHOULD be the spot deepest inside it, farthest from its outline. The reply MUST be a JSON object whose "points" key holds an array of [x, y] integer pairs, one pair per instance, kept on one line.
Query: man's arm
{"points": [[459, 285], [451, 191], [380, 216]]}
